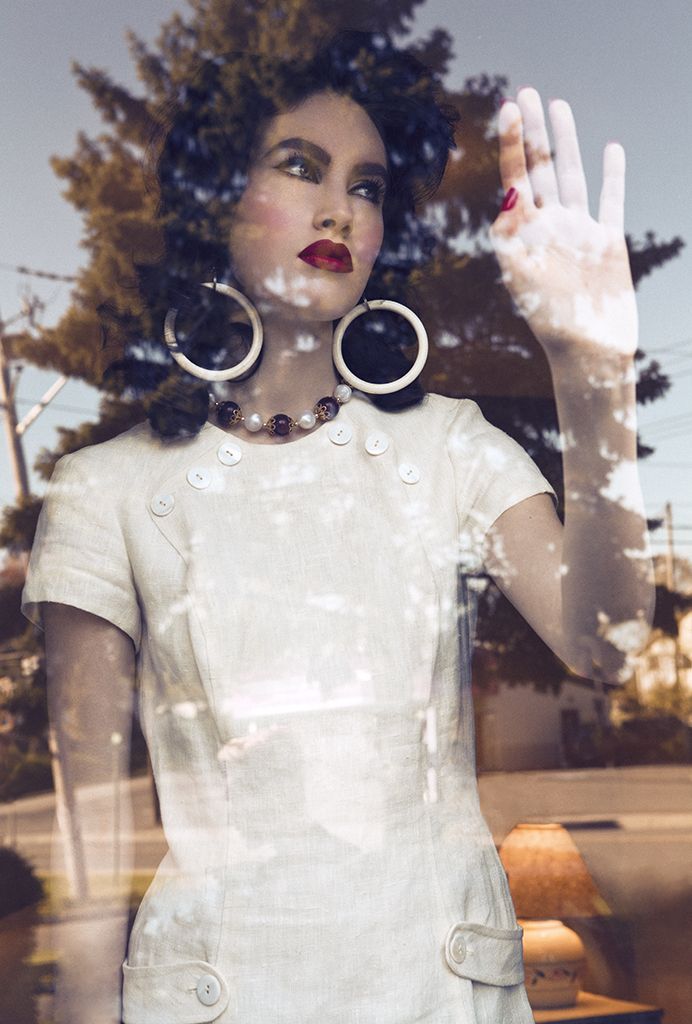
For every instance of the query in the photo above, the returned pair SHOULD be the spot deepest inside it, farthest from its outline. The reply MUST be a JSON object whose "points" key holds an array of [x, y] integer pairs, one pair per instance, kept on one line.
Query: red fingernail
{"points": [[510, 200]]}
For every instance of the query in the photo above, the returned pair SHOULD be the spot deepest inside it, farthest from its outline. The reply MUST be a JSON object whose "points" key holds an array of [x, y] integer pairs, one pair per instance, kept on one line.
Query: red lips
{"points": [[326, 255]]}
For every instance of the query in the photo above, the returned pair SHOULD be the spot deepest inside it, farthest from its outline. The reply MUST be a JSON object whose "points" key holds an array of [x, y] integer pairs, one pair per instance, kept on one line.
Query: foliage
{"points": [[670, 606], [653, 737], [19, 886], [18, 524], [12, 622], [28, 705], [24, 773]]}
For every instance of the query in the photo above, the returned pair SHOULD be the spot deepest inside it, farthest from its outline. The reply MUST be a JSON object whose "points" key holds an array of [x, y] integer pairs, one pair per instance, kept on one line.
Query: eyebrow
{"points": [[323, 157]]}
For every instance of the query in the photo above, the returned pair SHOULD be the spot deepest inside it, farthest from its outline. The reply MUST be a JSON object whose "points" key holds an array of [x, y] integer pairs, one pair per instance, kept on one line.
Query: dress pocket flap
{"points": [[490, 955], [192, 992]]}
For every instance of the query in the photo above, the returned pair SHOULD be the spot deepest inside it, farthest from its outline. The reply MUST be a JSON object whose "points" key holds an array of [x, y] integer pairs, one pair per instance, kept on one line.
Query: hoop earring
{"points": [[366, 306], [231, 372]]}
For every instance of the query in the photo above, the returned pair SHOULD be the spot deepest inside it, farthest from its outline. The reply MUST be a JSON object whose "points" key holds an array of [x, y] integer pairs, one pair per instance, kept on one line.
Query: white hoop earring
{"points": [[366, 306], [231, 372]]}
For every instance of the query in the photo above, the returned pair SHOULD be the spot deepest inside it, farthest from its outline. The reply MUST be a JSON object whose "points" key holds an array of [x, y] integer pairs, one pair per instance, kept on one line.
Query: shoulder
{"points": [[132, 461], [472, 443], [457, 414], [440, 418], [441, 430]]}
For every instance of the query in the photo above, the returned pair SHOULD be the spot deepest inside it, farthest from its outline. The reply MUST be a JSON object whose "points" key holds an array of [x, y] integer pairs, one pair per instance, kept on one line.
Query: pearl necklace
{"points": [[230, 414]]}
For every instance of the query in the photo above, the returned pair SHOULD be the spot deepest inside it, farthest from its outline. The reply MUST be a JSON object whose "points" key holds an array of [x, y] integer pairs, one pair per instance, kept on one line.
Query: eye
{"points": [[372, 189], [299, 166]]}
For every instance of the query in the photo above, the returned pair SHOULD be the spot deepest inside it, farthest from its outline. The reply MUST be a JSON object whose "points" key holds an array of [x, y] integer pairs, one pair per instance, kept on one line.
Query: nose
{"points": [[334, 215]]}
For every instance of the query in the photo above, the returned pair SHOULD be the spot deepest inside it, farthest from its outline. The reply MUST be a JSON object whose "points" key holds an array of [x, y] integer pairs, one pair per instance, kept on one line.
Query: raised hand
{"points": [[567, 272]]}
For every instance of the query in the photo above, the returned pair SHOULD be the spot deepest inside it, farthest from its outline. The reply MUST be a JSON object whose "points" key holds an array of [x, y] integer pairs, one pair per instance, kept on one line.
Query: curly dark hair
{"points": [[203, 150]]}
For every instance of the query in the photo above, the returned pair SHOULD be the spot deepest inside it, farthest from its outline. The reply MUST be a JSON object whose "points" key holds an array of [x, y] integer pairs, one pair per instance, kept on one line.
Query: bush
{"points": [[656, 739], [19, 886], [25, 773]]}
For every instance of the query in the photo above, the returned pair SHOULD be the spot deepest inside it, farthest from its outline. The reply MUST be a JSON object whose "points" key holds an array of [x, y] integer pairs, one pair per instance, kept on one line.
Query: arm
{"points": [[91, 671], [586, 588]]}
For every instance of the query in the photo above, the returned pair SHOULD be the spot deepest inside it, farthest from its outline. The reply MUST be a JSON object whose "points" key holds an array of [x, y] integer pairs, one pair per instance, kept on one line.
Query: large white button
{"points": [[376, 443], [340, 433], [162, 504], [229, 454], [208, 989], [409, 473], [457, 949], [185, 917], [198, 477]]}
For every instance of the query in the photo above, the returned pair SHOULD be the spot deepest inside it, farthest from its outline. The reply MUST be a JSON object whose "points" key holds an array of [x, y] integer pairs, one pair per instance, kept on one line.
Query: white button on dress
{"points": [[208, 990], [376, 443], [229, 454], [409, 473], [457, 948], [198, 477], [162, 504], [339, 433]]}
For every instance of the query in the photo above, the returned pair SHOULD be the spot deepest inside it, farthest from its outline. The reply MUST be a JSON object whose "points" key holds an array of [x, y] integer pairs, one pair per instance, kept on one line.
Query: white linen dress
{"points": [[303, 627]]}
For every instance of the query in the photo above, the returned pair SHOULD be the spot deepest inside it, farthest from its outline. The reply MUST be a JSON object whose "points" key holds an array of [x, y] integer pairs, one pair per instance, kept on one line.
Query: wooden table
{"points": [[593, 1009]]}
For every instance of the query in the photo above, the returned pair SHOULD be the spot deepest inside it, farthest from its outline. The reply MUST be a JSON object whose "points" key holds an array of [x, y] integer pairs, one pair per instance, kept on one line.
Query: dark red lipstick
{"points": [[326, 255]]}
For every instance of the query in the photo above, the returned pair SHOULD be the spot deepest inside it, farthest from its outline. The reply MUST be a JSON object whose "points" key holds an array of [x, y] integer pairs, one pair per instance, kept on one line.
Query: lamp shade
{"points": [[547, 875]]}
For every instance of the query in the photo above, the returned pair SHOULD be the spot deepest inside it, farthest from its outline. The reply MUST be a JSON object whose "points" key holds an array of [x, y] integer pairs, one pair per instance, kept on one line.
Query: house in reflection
{"points": [[588, 724], [663, 674], [522, 727]]}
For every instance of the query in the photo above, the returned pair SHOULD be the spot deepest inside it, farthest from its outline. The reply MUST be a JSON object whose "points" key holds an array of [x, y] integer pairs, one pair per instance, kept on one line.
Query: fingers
{"points": [[611, 211], [527, 165], [570, 172], [525, 157], [537, 148], [513, 172]]}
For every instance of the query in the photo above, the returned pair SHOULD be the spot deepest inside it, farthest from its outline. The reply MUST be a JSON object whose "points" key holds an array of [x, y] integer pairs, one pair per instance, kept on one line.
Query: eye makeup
{"points": [[371, 181]]}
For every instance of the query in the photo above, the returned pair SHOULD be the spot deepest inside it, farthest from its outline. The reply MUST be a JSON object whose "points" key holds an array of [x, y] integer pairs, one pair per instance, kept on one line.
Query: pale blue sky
{"points": [[624, 65]]}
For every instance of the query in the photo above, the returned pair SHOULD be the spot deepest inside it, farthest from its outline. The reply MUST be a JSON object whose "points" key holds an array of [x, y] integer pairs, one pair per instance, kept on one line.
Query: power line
{"points": [[673, 431], [673, 361], [669, 348], [667, 419], [674, 435], [30, 272], [685, 373], [667, 465]]}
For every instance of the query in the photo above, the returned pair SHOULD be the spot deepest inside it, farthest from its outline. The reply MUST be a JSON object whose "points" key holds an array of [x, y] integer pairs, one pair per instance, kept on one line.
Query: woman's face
{"points": [[308, 226]]}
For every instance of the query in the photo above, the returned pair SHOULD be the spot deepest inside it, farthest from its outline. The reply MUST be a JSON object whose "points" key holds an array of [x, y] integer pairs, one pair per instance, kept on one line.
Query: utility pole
{"points": [[36, 410], [14, 428], [66, 806], [8, 385], [670, 552], [69, 822], [670, 584]]}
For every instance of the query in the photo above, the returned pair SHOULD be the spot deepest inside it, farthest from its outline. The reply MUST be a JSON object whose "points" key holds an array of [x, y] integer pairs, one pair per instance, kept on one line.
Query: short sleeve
{"points": [[79, 556], [492, 473]]}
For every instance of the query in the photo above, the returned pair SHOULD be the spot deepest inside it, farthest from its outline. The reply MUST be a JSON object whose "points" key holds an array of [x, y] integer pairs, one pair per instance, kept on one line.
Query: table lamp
{"points": [[549, 880]]}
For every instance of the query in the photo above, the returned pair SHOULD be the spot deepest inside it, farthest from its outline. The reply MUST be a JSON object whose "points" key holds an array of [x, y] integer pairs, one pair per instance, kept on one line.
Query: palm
{"points": [[567, 272]]}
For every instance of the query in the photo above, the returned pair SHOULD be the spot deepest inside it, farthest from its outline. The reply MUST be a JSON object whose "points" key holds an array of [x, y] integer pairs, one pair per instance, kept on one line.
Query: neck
{"points": [[296, 371]]}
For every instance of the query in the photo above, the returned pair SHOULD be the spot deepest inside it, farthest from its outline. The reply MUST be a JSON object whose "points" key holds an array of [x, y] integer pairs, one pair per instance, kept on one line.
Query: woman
{"points": [[286, 587]]}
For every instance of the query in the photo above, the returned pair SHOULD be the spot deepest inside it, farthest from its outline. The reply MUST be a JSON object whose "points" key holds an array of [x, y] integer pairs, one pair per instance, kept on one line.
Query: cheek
{"points": [[370, 241], [259, 216]]}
